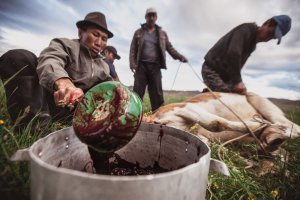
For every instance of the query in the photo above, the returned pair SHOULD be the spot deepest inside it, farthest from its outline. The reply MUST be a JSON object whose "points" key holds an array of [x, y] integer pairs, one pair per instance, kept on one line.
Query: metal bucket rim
{"points": [[36, 159]]}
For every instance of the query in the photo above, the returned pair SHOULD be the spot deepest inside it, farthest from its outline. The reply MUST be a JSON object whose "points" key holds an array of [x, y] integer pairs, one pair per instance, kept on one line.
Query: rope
{"points": [[238, 138], [251, 132], [176, 75], [260, 119]]}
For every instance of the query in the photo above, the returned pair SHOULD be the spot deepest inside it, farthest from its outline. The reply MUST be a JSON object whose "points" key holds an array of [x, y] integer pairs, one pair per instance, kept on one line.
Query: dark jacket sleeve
{"points": [[134, 50], [229, 54], [170, 49], [234, 56], [234, 60], [112, 69]]}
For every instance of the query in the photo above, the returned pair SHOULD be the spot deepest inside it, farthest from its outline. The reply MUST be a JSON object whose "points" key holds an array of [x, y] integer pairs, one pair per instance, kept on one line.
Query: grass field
{"points": [[283, 182]]}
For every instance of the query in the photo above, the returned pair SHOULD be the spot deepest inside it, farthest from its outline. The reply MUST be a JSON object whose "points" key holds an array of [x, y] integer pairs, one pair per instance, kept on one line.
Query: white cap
{"points": [[150, 10]]}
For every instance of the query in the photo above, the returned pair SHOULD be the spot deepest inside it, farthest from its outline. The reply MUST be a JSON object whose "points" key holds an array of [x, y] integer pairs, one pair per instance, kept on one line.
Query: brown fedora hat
{"points": [[97, 19]]}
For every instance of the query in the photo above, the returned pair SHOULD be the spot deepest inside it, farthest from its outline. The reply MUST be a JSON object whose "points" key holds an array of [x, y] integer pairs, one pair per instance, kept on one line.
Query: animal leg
{"points": [[223, 136], [273, 114], [196, 114]]}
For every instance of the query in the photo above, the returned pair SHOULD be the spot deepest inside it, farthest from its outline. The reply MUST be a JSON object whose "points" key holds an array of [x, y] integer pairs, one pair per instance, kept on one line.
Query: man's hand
{"points": [[122, 93], [133, 69], [183, 59], [67, 95], [240, 88]]}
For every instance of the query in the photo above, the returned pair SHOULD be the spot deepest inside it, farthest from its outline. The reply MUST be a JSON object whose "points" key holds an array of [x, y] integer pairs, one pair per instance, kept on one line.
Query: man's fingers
{"points": [[184, 59], [59, 97], [122, 93], [75, 95], [67, 96]]}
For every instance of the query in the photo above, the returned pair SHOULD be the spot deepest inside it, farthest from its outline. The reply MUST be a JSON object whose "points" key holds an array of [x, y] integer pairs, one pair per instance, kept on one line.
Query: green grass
{"points": [[242, 184], [246, 184], [169, 98], [14, 182], [293, 114]]}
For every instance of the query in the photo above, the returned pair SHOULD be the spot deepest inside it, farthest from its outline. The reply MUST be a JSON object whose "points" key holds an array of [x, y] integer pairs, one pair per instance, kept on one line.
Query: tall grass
{"points": [[14, 182], [283, 182]]}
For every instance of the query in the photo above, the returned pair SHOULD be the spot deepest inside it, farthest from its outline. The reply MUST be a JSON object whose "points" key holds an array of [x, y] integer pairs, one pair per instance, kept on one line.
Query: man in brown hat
{"points": [[148, 56], [110, 53], [66, 68]]}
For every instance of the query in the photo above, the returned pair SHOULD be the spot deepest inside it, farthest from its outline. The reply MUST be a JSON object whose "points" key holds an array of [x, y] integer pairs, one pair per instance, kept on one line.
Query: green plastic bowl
{"points": [[105, 120]]}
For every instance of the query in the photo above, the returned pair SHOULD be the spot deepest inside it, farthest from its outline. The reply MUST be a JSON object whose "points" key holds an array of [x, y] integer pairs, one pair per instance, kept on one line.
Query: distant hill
{"points": [[286, 104], [281, 103]]}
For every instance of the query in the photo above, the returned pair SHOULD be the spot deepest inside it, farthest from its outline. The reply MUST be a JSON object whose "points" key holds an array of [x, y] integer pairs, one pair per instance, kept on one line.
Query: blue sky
{"points": [[193, 27]]}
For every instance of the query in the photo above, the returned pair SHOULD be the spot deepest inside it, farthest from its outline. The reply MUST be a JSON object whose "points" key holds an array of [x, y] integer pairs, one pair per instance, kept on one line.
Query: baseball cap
{"points": [[113, 50], [283, 26], [150, 10]]}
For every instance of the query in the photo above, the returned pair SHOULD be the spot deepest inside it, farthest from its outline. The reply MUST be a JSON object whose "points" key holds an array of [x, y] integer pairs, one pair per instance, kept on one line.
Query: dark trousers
{"points": [[214, 81], [23, 92], [24, 96], [149, 74]]}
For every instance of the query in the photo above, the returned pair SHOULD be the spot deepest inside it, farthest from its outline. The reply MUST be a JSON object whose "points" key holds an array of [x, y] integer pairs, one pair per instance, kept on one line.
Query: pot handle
{"points": [[21, 155], [219, 166]]}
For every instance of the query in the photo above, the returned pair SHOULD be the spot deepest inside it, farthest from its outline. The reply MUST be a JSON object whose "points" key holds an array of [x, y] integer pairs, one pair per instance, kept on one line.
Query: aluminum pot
{"points": [[60, 166]]}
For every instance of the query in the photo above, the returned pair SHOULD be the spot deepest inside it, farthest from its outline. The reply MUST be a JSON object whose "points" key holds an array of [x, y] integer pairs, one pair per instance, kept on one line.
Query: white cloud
{"points": [[261, 84], [193, 27], [13, 39]]}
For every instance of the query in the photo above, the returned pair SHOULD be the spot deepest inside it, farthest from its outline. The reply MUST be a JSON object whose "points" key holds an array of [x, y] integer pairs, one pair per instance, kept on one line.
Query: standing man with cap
{"points": [[148, 56], [221, 70], [110, 53], [65, 69]]}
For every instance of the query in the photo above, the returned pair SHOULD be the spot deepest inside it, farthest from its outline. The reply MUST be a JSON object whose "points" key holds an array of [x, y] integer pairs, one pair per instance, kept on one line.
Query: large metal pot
{"points": [[59, 165]]}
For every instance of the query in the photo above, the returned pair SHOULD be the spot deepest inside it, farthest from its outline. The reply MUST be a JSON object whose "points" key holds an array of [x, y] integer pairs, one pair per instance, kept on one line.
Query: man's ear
{"points": [[79, 33]]}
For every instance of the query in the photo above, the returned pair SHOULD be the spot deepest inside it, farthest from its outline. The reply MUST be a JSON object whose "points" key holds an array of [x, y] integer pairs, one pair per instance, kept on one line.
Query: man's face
{"points": [[109, 56], [268, 30], [94, 39], [151, 19]]}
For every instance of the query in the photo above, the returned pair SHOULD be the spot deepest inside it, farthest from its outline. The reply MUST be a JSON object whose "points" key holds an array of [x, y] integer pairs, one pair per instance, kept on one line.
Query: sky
{"points": [[193, 27]]}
